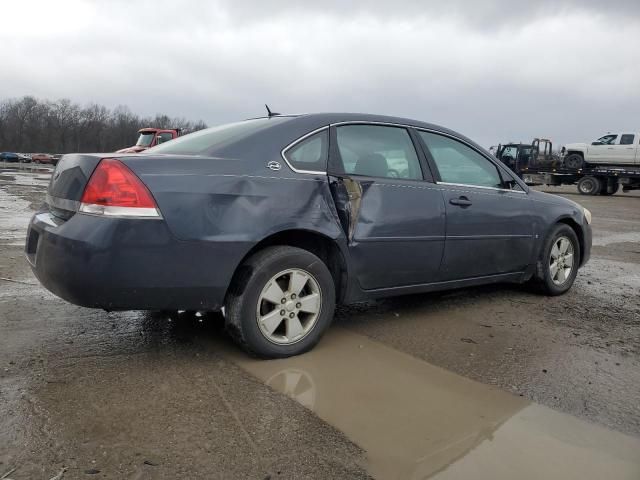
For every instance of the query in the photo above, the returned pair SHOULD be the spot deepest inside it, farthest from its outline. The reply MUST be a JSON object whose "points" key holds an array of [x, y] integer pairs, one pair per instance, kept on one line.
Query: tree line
{"points": [[31, 125]]}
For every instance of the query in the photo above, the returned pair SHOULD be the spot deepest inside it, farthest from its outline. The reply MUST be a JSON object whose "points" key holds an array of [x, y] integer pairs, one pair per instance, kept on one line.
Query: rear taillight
{"points": [[114, 190]]}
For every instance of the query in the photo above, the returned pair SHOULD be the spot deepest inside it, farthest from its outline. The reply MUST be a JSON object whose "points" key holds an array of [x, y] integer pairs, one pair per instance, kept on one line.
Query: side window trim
{"points": [[301, 139], [421, 150], [335, 160], [436, 172], [428, 173]]}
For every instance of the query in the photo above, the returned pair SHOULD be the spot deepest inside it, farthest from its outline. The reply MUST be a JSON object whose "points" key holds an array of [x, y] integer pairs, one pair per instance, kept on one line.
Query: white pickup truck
{"points": [[610, 149]]}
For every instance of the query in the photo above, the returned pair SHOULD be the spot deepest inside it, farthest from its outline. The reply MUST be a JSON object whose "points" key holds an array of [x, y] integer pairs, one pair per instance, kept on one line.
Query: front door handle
{"points": [[461, 201]]}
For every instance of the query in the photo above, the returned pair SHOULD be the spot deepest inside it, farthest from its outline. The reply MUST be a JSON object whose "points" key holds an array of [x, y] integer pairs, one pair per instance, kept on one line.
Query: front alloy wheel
{"points": [[561, 260]]}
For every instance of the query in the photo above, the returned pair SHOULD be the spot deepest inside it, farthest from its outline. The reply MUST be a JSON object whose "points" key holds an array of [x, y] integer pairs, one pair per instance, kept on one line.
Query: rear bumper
{"points": [[128, 264]]}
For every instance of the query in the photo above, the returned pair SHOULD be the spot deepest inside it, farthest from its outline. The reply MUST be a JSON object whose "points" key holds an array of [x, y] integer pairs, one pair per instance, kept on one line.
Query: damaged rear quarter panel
{"points": [[240, 207]]}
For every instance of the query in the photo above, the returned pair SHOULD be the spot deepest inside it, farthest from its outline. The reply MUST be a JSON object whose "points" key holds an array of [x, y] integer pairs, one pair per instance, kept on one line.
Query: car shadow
{"points": [[189, 327]]}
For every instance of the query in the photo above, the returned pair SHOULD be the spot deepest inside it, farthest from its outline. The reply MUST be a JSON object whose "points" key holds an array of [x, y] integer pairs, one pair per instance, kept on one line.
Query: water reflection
{"points": [[297, 384], [418, 421]]}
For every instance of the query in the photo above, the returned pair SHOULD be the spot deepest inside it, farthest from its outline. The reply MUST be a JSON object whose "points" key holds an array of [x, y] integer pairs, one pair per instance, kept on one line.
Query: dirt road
{"points": [[498, 381]]}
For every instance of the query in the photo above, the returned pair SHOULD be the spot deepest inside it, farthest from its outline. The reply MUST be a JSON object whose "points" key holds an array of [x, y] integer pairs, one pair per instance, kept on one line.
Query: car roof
{"points": [[338, 117], [288, 128], [314, 121]]}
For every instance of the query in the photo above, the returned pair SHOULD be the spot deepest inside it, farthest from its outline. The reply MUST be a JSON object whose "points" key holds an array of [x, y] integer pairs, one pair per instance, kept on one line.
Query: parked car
{"points": [[611, 149], [24, 157], [42, 158], [275, 220], [9, 157]]}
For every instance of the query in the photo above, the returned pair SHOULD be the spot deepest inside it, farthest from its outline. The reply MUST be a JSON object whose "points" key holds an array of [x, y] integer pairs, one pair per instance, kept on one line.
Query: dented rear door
{"points": [[394, 220]]}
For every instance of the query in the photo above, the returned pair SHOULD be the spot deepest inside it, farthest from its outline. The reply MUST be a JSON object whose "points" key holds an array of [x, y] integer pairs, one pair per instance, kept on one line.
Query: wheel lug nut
{"points": [[298, 305], [291, 315], [282, 312], [284, 300], [293, 295]]}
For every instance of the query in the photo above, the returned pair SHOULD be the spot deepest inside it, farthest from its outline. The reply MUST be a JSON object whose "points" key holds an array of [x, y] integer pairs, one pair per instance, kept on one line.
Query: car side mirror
{"points": [[510, 184], [159, 140]]}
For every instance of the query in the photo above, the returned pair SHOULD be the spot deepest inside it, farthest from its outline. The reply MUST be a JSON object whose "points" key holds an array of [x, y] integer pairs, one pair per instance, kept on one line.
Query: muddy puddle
{"points": [[18, 187], [417, 421], [14, 219]]}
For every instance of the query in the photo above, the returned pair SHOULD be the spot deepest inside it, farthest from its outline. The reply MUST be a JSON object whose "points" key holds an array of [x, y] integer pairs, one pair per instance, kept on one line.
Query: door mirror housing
{"points": [[510, 184]]}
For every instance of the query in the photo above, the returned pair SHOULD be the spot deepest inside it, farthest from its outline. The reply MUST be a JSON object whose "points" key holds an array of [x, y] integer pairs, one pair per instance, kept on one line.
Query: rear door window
{"points": [[627, 139], [378, 151]]}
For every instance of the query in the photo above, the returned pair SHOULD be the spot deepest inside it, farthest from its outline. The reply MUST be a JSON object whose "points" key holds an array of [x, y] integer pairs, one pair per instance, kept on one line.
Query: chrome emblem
{"points": [[274, 165]]}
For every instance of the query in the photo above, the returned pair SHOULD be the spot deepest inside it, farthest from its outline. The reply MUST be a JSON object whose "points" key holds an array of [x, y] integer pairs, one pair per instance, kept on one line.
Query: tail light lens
{"points": [[114, 190]]}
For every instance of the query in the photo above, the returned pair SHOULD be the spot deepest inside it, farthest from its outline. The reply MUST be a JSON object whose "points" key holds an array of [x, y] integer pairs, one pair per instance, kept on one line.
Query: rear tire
{"points": [[574, 161], [589, 186], [276, 280], [604, 190], [560, 260]]}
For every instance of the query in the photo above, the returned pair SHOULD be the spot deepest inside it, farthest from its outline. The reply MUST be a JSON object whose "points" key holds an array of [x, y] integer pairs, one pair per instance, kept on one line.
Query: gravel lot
{"points": [[418, 386]]}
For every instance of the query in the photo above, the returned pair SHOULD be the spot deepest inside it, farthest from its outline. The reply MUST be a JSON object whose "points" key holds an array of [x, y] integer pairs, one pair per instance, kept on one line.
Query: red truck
{"points": [[150, 137]]}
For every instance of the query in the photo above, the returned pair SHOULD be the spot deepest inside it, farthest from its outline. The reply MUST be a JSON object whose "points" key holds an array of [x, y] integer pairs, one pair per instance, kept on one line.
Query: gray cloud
{"points": [[485, 14], [496, 70]]}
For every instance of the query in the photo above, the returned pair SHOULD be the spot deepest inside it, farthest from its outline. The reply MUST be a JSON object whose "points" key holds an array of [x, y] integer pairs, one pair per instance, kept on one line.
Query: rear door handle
{"points": [[461, 201]]}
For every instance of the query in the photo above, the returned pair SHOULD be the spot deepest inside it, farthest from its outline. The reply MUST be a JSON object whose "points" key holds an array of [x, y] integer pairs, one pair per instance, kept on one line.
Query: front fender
{"points": [[551, 210], [581, 148]]}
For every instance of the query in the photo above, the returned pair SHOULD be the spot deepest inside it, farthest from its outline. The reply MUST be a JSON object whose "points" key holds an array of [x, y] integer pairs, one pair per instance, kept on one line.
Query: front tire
{"points": [[574, 161], [560, 260], [280, 303]]}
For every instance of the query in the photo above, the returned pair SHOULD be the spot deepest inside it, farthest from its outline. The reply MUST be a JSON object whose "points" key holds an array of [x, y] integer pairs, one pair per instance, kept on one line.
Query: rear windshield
{"points": [[203, 142]]}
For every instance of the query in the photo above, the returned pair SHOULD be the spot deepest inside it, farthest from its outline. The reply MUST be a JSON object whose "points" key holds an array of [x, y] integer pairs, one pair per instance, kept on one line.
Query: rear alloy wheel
{"points": [[289, 306], [281, 302], [560, 260], [574, 161], [589, 186]]}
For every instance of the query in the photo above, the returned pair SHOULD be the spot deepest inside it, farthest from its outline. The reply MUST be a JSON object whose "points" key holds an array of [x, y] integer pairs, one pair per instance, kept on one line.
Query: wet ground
{"points": [[492, 382]]}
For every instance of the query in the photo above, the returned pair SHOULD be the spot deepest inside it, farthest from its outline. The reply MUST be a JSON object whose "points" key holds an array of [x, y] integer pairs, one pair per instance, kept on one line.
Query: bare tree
{"points": [[31, 125]]}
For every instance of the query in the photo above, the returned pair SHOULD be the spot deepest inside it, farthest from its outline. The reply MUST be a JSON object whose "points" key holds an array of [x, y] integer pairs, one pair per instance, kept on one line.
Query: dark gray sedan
{"points": [[275, 220]]}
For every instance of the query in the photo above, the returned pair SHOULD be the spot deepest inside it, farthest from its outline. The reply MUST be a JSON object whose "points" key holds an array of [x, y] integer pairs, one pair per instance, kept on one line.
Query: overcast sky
{"points": [[494, 70]]}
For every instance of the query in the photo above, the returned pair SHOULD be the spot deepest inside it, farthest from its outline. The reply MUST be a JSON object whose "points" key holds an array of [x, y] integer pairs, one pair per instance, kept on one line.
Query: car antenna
{"points": [[269, 112]]}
